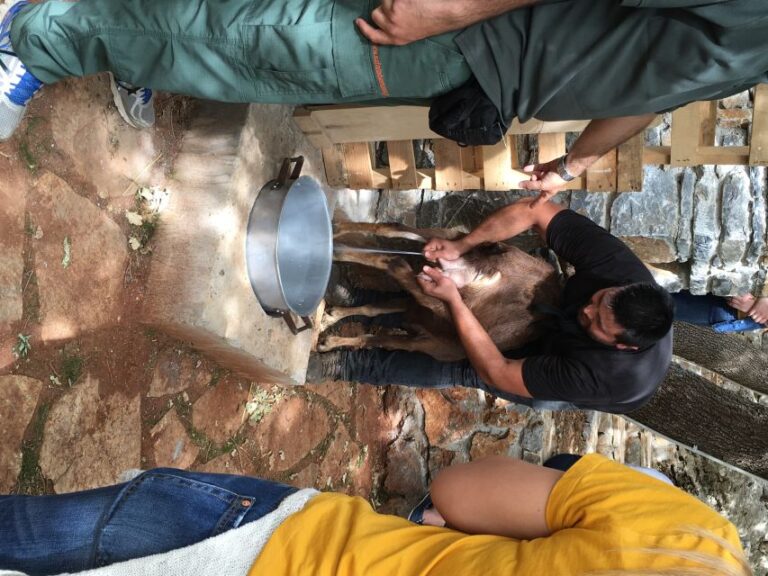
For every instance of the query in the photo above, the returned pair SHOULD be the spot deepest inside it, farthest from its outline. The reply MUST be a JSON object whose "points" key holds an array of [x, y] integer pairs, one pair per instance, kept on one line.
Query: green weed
{"points": [[23, 346]]}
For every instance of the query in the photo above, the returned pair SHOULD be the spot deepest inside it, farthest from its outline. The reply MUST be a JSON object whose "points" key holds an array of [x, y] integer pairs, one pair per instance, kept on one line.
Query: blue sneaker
{"points": [[135, 104], [17, 84]]}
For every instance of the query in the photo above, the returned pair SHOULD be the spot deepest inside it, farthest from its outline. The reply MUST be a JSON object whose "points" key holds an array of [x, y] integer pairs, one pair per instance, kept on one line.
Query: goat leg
{"points": [[395, 341], [338, 313]]}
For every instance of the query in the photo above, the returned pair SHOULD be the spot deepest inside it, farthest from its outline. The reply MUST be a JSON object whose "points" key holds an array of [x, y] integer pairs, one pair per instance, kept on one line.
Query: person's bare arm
{"points": [[598, 138], [401, 22], [496, 495], [491, 365], [501, 225]]}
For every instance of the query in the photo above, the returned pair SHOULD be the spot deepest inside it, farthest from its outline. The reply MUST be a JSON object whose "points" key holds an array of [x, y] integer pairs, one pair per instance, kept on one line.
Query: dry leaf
{"points": [[134, 218]]}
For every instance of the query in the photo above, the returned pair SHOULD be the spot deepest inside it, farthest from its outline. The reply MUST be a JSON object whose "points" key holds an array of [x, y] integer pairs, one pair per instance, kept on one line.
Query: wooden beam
{"points": [[551, 146], [402, 164], [311, 128], [737, 155], [630, 164], [708, 111], [357, 158], [758, 151], [343, 124], [497, 166], [601, 176], [686, 135], [448, 167], [335, 165], [657, 155]]}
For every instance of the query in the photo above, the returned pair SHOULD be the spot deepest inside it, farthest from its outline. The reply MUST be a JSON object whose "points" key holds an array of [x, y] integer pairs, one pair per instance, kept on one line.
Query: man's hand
{"points": [[544, 177], [434, 284], [404, 21], [440, 248], [598, 138]]}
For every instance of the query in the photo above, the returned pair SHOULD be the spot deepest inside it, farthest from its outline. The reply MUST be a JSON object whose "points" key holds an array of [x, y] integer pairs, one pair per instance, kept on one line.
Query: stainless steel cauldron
{"points": [[289, 245]]}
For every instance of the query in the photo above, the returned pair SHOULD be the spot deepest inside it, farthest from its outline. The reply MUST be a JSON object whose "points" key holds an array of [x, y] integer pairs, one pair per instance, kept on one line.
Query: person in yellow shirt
{"points": [[503, 516]]}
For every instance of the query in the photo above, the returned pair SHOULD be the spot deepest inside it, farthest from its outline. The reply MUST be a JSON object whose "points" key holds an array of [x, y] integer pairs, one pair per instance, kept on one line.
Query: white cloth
{"points": [[229, 554]]}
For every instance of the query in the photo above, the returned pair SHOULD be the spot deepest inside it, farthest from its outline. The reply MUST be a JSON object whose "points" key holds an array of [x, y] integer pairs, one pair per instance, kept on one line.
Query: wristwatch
{"points": [[562, 171]]}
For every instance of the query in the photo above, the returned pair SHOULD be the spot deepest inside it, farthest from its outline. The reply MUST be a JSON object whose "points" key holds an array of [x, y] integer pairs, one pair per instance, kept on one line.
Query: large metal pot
{"points": [[289, 245]]}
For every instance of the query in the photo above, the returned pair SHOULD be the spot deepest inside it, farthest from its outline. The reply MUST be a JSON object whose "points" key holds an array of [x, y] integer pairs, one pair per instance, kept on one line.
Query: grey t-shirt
{"points": [[585, 59]]}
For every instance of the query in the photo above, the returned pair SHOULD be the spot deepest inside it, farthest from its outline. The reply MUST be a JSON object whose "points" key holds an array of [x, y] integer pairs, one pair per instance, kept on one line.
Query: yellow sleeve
{"points": [[598, 494]]}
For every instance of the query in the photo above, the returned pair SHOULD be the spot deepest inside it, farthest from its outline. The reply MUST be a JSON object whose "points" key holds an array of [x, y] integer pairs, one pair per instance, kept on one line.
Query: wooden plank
{"points": [[685, 135], [402, 164], [630, 164], [311, 128], [551, 146], [354, 123], [497, 167], [601, 176], [357, 158], [472, 158], [448, 167], [512, 143], [736, 155], [708, 111], [657, 155], [335, 165], [731, 155], [534, 126], [758, 152], [381, 178]]}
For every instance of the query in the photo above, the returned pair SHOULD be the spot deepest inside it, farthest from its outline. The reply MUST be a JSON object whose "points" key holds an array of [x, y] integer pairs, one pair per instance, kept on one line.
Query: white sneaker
{"points": [[135, 104], [17, 84]]}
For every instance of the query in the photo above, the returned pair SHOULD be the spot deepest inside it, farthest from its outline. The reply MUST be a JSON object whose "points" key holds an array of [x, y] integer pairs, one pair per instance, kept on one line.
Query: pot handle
{"points": [[288, 317], [285, 171]]}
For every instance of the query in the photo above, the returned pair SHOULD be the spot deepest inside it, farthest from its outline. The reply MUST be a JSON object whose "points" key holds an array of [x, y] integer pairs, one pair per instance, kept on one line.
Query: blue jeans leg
{"points": [[50, 534], [417, 370], [160, 510], [704, 310]]}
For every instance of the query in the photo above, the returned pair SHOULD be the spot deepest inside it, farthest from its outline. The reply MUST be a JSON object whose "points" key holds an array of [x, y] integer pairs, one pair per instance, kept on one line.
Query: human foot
{"points": [[742, 303], [759, 311]]}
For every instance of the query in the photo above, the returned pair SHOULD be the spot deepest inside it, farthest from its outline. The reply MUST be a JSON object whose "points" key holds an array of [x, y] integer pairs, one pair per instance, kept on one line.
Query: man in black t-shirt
{"points": [[609, 348]]}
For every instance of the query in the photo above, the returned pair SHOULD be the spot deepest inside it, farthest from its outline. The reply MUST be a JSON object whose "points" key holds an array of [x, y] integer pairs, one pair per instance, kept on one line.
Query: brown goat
{"points": [[501, 284]]}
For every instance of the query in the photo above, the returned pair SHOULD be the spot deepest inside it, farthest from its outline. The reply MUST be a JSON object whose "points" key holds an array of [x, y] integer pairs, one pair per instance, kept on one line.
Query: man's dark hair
{"points": [[645, 311]]}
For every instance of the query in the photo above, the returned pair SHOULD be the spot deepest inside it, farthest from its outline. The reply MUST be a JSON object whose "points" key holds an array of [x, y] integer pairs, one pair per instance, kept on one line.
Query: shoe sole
{"points": [[120, 107]]}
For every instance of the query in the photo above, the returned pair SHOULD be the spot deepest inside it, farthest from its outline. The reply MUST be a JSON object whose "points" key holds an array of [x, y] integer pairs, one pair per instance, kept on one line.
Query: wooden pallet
{"points": [[346, 136]]}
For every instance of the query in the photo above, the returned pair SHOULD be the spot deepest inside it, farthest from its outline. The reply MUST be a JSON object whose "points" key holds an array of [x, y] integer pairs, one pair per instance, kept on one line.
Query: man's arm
{"points": [[501, 225], [404, 21], [500, 372], [598, 138]]}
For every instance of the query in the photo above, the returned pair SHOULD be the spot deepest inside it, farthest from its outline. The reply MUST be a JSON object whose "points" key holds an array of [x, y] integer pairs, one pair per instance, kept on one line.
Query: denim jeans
{"points": [[704, 310], [159, 511], [711, 311], [417, 370]]}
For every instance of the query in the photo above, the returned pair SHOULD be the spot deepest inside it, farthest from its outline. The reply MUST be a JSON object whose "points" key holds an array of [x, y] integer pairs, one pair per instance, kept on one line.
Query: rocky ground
{"points": [[87, 392]]}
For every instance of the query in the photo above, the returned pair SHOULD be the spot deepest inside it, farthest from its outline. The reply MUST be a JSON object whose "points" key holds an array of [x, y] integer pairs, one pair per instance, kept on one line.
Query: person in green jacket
{"points": [[615, 62]]}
